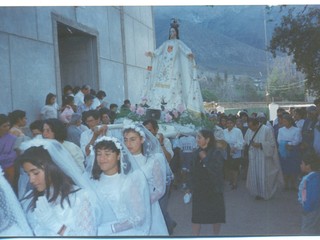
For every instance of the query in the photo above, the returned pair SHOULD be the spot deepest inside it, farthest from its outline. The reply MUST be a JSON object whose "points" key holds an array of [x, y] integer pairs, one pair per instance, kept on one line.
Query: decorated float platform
{"points": [[172, 123]]}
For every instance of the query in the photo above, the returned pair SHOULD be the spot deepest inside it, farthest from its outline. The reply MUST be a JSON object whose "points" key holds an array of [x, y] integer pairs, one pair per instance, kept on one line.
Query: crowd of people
{"points": [[271, 156], [70, 175], [283, 154]]}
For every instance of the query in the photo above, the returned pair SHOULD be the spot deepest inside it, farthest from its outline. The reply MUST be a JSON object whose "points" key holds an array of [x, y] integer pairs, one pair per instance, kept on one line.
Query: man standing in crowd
{"points": [[88, 137], [264, 173], [280, 111], [307, 131], [79, 97]]}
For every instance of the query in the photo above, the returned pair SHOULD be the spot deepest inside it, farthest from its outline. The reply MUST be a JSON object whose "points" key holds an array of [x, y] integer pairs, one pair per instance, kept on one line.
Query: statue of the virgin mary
{"points": [[172, 82]]}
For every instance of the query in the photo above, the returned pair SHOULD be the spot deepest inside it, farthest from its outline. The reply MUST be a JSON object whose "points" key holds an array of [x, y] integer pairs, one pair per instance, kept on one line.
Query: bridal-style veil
{"points": [[155, 166], [12, 219], [133, 208], [151, 146], [63, 159]]}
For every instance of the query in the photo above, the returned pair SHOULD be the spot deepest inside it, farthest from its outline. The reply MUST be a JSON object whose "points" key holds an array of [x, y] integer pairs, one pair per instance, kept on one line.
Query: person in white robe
{"points": [[172, 82], [264, 176], [119, 181], [148, 154]]}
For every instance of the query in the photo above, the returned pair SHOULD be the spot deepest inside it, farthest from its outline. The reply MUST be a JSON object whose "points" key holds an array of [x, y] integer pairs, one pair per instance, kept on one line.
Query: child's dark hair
{"points": [[37, 124], [153, 122], [56, 180], [67, 100], [48, 98], [311, 159], [104, 145]]}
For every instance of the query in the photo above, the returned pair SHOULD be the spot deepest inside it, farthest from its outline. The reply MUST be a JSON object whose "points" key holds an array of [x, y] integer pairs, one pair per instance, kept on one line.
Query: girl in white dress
{"points": [[147, 152], [51, 108], [61, 202], [120, 182]]}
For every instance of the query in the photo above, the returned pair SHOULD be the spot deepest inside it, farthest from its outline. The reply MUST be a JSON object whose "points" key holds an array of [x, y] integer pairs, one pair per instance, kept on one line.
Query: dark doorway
{"points": [[77, 57]]}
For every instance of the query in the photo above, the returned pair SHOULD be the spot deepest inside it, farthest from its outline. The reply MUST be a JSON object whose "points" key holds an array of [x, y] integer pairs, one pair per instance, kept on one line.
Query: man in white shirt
{"points": [[233, 136], [79, 97], [88, 137]]}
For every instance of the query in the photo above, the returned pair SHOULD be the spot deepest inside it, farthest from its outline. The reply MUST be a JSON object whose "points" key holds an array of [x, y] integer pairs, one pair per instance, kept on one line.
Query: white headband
{"points": [[136, 129], [112, 139]]}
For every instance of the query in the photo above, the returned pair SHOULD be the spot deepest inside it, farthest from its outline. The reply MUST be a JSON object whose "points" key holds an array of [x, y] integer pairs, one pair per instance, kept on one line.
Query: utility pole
{"points": [[266, 52]]}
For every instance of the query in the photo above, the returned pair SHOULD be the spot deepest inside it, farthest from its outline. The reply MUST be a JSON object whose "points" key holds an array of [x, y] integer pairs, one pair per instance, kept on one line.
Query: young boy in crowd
{"points": [[36, 128], [309, 195]]}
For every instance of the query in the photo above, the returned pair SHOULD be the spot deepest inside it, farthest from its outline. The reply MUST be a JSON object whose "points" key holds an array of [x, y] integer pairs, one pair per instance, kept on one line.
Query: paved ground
{"points": [[245, 216]]}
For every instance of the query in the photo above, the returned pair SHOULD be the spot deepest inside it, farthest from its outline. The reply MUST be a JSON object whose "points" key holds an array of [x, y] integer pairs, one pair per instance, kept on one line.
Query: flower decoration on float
{"points": [[179, 115]]}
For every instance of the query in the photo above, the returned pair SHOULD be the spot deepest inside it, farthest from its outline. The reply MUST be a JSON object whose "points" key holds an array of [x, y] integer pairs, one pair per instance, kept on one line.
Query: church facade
{"points": [[43, 49]]}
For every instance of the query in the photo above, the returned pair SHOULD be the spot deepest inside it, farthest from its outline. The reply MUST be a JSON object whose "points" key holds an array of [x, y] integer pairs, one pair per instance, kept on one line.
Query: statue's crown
{"points": [[174, 23]]}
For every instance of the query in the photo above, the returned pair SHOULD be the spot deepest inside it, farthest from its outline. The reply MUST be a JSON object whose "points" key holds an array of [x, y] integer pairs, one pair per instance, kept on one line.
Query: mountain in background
{"points": [[224, 39]]}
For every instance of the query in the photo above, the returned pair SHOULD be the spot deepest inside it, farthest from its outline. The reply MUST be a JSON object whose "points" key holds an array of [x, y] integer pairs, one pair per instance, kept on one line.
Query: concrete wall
{"points": [[30, 65]]}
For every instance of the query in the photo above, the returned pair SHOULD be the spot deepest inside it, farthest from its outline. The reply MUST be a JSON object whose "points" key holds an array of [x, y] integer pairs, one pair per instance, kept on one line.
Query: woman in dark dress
{"points": [[207, 184]]}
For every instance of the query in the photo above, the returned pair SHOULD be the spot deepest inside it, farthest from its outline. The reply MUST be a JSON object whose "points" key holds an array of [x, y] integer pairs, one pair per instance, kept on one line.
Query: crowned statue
{"points": [[172, 81]]}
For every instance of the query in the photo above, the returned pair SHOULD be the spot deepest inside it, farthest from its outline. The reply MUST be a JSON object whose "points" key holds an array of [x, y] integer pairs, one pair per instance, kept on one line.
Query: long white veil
{"points": [[134, 196], [66, 163], [157, 171], [13, 221], [151, 146]]}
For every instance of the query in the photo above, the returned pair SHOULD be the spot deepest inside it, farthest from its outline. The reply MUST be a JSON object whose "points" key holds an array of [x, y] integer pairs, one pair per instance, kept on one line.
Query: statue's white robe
{"points": [[173, 79]]}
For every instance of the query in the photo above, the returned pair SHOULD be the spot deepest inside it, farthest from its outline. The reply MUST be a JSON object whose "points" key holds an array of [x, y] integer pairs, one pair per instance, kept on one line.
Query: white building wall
{"points": [[139, 38], [28, 63]]}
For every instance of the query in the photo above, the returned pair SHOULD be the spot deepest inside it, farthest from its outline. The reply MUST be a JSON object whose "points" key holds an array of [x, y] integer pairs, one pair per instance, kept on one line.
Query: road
{"points": [[245, 216]]}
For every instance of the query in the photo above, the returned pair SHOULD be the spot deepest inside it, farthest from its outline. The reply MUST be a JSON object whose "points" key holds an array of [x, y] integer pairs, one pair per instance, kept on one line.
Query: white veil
{"points": [[12, 219], [134, 195], [151, 146], [65, 162], [154, 165]]}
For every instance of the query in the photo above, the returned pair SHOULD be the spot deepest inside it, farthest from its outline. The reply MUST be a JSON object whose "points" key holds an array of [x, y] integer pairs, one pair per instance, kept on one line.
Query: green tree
{"points": [[247, 90], [282, 85], [298, 35]]}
